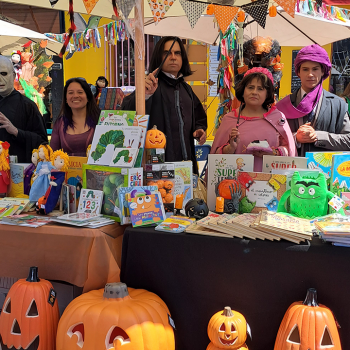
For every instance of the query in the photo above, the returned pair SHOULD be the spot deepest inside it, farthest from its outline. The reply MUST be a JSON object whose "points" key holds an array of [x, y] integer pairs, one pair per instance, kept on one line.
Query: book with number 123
{"points": [[90, 201]]}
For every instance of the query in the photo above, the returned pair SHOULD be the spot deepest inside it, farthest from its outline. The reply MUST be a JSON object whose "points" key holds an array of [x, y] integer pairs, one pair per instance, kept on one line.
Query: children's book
{"points": [[340, 179], [123, 200], [175, 224], [81, 217], [7, 209], [334, 228], [107, 138], [74, 175], [109, 179], [21, 202], [124, 157], [222, 167], [127, 118], [27, 220], [271, 163], [146, 209], [90, 201], [16, 187], [345, 196]]}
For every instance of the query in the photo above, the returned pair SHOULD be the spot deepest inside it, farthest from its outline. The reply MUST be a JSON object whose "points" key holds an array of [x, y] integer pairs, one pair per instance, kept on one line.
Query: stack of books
{"points": [[25, 220], [14, 206], [83, 220]]}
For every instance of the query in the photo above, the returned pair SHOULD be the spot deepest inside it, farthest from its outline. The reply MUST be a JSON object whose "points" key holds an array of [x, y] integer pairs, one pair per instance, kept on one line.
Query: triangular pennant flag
{"points": [[89, 5], [224, 15], [288, 6], [159, 8], [258, 10], [193, 10], [53, 2], [125, 6]]}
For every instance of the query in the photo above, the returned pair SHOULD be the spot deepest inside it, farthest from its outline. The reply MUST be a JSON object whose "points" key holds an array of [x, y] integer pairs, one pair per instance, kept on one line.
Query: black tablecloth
{"points": [[198, 276]]}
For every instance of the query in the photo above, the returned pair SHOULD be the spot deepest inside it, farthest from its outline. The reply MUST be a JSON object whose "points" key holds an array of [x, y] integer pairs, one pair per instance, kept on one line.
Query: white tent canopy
{"points": [[13, 37]]}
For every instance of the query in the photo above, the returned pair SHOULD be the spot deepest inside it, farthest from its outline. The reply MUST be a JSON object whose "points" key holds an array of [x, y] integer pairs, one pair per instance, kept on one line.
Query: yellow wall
{"points": [[88, 64], [286, 58]]}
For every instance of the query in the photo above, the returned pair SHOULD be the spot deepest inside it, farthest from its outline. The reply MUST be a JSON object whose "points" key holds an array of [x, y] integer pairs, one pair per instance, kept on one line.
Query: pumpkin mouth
{"points": [[227, 342], [33, 346]]}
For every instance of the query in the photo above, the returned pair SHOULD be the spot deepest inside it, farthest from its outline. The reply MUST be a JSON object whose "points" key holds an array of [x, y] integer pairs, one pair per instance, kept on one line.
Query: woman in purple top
{"points": [[74, 129]]}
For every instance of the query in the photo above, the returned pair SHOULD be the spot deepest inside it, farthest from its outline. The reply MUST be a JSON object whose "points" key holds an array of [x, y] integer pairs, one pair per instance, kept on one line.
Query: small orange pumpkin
{"points": [[228, 329], [241, 16], [160, 184], [168, 185], [168, 198], [155, 138], [273, 11], [210, 9], [224, 188], [116, 318], [27, 319], [162, 192], [308, 325]]}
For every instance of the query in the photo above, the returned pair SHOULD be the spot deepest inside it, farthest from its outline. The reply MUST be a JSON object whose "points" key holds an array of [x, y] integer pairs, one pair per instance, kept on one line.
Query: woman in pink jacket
{"points": [[256, 127]]}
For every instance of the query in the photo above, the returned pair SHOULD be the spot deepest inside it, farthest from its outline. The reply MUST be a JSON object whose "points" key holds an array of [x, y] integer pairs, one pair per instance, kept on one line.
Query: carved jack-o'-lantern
{"points": [[308, 325], [29, 316], [228, 329], [155, 138], [116, 318]]}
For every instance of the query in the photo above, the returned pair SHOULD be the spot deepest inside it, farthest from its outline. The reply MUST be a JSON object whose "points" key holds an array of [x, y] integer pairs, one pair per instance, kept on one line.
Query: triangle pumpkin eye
{"points": [[222, 328], [294, 336], [326, 339], [7, 307], [32, 310], [233, 329]]}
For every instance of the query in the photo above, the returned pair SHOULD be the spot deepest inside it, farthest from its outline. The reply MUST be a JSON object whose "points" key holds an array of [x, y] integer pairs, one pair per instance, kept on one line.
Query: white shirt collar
{"points": [[172, 76], [303, 92]]}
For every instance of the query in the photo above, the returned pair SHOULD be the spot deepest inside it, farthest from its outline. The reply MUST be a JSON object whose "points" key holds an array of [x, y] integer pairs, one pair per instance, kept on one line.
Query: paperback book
{"points": [[90, 201], [175, 224], [340, 178], [271, 163], [16, 187]]}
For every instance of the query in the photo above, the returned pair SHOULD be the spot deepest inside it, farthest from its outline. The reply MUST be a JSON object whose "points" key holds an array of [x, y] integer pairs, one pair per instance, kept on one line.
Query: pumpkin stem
{"points": [[227, 312], [115, 290], [154, 127], [33, 275], [311, 297]]}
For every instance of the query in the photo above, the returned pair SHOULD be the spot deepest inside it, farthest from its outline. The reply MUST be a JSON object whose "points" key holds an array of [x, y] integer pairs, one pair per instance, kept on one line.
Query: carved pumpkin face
{"points": [[227, 329], [116, 318], [308, 325], [28, 320], [155, 138]]}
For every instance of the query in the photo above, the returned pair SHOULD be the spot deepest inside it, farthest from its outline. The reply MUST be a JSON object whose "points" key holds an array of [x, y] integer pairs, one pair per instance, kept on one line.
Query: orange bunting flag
{"points": [[288, 6], [159, 8], [224, 15], [89, 5]]}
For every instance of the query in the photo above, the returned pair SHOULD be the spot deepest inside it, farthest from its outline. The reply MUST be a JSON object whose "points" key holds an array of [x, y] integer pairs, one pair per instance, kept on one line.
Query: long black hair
{"points": [[92, 110], [157, 56]]}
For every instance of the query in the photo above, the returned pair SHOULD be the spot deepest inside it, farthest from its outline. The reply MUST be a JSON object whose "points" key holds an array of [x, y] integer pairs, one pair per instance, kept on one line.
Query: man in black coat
{"points": [[171, 103], [21, 123]]}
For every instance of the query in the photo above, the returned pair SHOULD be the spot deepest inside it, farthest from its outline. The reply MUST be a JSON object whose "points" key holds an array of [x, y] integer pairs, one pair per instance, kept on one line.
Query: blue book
{"points": [[340, 179]]}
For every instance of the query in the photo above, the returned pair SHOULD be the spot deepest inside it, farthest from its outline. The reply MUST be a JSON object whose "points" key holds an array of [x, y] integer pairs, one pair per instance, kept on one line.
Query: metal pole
{"points": [[128, 61], [110, 62], [122, 62], [116, 65]]}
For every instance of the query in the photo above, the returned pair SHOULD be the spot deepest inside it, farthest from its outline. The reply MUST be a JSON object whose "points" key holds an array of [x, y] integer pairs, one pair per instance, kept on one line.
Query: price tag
{"points": [[336, 203]]}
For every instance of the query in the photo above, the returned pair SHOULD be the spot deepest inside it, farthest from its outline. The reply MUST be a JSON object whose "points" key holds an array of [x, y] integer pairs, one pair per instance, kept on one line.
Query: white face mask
{"points": [[6, 76]]}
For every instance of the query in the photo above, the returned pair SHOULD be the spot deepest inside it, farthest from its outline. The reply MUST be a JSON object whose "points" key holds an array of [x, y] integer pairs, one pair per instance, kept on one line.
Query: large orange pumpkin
{"points": [[155, 138], [28, 320], [308, 325], [116, 318], [227, 329]]}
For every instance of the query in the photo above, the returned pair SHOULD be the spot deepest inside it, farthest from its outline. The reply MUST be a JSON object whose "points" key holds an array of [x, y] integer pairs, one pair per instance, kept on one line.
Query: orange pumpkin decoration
{"points": [[160, 184], [116, 318], [228, 329], [308, 325], [168, 185], [162, 192], [155, 138], [168, 198], [224, 188], [27, 319], [241, 16], [273, 11], [210, 9]]}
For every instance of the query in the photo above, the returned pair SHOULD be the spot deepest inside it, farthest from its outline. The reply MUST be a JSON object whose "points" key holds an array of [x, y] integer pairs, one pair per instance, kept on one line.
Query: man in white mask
{"points": [[21, 123]]}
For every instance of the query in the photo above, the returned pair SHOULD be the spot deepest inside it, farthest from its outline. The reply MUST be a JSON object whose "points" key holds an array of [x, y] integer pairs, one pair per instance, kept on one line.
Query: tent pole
{"points": [[139, 61]]}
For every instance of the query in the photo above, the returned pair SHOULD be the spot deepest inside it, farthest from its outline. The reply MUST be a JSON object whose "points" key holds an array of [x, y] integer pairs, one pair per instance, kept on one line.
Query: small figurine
{"points": [[17, 63], [4, 168], [41, 180], [28, 172], [60, 160], [101, 83]]}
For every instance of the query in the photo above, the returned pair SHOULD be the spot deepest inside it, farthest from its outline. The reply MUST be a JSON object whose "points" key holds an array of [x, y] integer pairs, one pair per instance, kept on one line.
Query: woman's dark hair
{"points": [[266, 83], [157, 56], [100, 78], [92, 110]]}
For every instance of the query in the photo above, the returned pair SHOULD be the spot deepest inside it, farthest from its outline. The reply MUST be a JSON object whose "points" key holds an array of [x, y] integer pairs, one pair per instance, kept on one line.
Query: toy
{"points": [[231, 191], [228, 329], [116, 317], [41, 180], [17, 63], [308, 325], [4, 168], [155, 138], [29, 316], [308, 197], [196, 208], [101, 83], [60, 160], [28, 172]]}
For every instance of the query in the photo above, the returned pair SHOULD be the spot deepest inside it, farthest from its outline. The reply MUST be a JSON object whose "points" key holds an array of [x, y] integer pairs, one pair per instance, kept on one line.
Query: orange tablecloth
{"points": [[84, 257]]}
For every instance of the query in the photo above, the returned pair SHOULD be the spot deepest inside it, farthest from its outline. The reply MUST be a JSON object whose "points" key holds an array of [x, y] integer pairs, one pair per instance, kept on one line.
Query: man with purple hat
{"points": [[318, 119]]}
